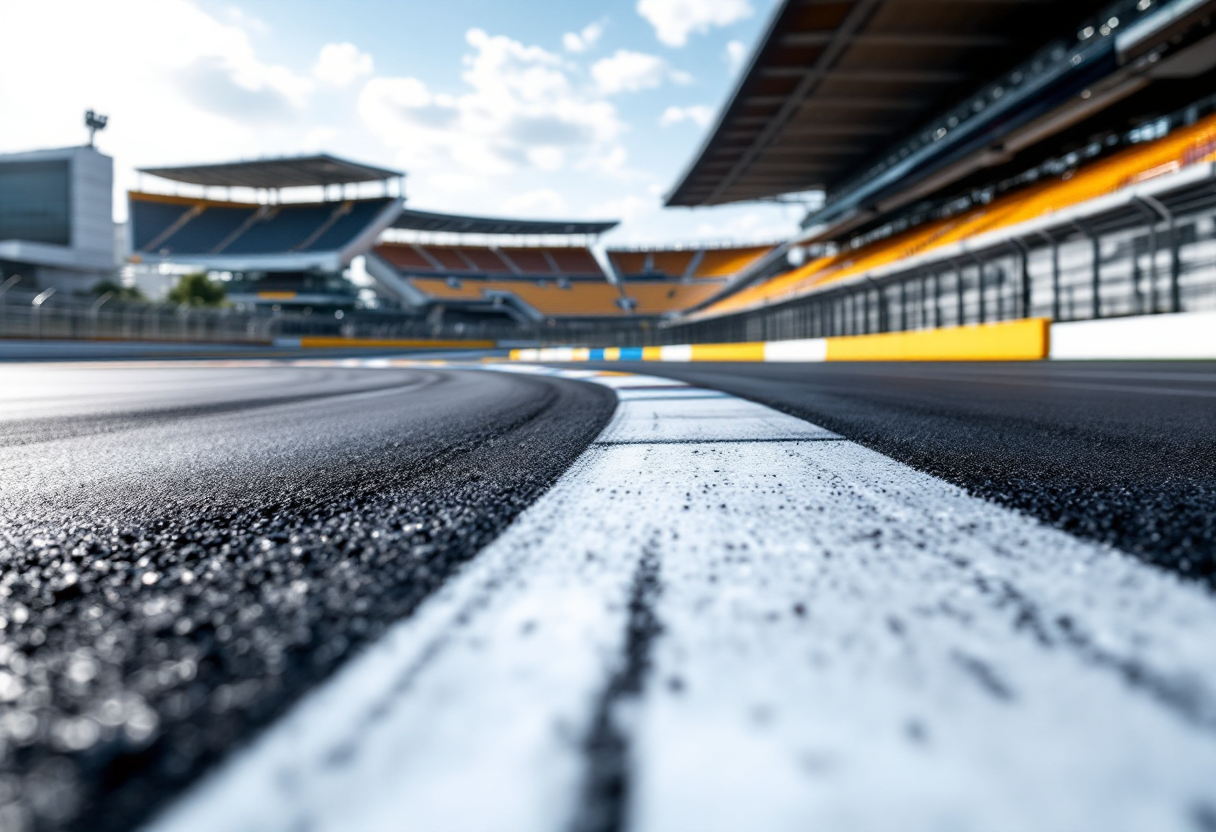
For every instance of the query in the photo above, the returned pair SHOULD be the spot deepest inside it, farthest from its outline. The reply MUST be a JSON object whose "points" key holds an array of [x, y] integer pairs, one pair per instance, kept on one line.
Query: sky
{"points": [[528, 108]]}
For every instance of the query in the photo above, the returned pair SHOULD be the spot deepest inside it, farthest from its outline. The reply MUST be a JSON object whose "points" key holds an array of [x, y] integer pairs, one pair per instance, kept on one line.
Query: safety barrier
{"points": [[1189, 335], [1021, 340], [321, 342]]}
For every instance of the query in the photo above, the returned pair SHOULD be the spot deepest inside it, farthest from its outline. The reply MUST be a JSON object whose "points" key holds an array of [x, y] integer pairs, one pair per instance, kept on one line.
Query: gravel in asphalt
{"points": [[184, 552]]}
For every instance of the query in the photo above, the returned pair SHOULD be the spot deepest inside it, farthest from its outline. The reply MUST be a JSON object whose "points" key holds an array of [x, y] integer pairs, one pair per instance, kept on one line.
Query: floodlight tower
{"points": [[94, 121]]}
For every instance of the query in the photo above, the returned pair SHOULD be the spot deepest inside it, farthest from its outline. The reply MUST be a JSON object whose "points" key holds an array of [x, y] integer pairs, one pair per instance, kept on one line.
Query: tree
{"points": [[130, 294], [197, 290]]}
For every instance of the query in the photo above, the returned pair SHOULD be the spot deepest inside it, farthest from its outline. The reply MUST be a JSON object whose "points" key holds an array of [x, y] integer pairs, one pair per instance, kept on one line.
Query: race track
{"points": [[185, 551], [395, 596], [1120, 452]]}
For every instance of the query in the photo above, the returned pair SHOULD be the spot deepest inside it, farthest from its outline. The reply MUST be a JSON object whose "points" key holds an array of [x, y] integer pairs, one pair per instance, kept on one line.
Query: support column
{"points": [[1095, 270], [1055, 274], [983, 301], [1175, 259], [1022, 253], [937, 300], [960, 288]]}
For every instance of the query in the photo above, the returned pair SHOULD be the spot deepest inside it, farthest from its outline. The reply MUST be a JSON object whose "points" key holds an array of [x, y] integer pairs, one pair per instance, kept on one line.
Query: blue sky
{"points": [[531, 108]]}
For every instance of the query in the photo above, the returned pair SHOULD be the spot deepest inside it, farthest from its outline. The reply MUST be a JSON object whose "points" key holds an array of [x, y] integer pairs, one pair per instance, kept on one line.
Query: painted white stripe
{"points": [[1186, 335], [846, 643], [807, 349]]}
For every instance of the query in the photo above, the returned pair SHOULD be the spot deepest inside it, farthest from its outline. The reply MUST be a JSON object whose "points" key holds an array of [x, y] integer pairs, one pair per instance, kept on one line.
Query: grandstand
{"points": [[269, 252], [980, 162], [551, 282], [543, 270]]}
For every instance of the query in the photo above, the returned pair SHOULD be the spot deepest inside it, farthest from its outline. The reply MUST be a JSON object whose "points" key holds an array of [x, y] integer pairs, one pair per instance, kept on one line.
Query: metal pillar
{"points": [[983, 301], [960, 287], [1175, 260], [1150, 218], [1023, 255], [1055, 274], [1095, 269], [937, 300]]}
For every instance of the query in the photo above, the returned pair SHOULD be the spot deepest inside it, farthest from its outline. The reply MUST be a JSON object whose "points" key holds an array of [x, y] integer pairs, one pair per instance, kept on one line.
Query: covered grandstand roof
{"points": [[833, 83], [287, 172], [459, 224]]}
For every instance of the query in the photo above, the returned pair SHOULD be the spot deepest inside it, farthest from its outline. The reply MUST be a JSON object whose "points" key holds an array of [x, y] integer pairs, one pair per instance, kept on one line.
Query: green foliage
{"points": [[197, 290], [123, 293]]}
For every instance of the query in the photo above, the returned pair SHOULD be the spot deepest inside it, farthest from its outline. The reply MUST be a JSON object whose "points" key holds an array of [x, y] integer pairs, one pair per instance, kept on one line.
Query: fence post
{"points": [[1175, 259], [980, 280], [1095, 269], [959, 290], [937, 300], [1022, 252]]}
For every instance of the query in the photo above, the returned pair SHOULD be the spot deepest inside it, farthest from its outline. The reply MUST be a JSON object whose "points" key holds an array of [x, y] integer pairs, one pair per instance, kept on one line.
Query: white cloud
{"points": [[538, 203], [628, 71], [675, 20], [341, 63], [584, 40], [521, 112], [698, 114], [179, 84], [736, 54], [522, 129]]}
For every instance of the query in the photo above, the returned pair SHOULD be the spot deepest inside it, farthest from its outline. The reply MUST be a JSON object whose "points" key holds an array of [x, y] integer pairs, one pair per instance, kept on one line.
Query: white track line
{"points": [[846, 643]]}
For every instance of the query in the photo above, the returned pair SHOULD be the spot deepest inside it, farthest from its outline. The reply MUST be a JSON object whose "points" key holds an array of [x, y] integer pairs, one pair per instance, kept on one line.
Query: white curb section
{"points": [[1175, 336], [845, 643]]}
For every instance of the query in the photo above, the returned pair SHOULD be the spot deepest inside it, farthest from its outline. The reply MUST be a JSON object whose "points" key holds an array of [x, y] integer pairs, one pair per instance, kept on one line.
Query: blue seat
{"points": [[150, 219], [350, 225], [206, 231]]}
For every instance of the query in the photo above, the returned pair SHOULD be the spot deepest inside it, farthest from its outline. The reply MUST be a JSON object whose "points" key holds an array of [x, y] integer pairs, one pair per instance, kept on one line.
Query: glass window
{"points": [[35, 203]]}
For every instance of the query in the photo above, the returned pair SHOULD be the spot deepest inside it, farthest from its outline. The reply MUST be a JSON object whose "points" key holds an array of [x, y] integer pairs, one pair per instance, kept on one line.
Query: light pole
{"points": [[94, 122]]}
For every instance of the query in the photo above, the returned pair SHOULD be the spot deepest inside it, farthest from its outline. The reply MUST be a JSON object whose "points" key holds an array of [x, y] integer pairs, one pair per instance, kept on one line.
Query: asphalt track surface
{"points": [[189, 553], [1122, 452], [185, 551]]}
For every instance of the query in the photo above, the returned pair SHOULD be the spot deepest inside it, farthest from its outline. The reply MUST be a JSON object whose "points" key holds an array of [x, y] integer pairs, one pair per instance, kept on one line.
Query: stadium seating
{"points": [[283, 228], [1187, 145], [566, 281], [486, 260], [405, 258], [176, 225], [556, 261], [576, 262], [630, 263], [727, 262], [348, 225], [574, 298], [208, 230], [690, 263], [529, 260], [151, 218]]}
